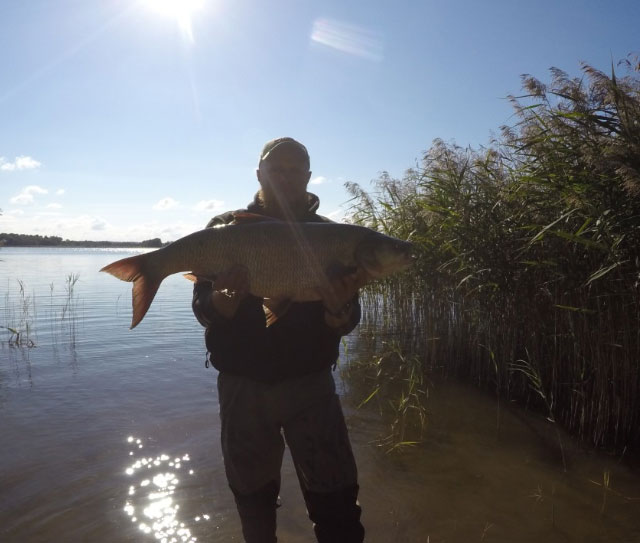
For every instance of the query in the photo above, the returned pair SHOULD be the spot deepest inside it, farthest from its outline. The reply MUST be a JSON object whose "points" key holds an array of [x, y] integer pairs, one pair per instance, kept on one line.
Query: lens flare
{"points": [[348, 38], [182, 11]]}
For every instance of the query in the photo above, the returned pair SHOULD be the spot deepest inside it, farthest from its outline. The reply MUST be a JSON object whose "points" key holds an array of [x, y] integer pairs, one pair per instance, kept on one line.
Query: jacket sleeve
{"points": [[202, 306]]}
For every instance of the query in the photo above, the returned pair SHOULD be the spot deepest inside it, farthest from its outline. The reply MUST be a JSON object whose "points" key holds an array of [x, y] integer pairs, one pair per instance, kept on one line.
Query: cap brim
{"points": [[287, 143]]}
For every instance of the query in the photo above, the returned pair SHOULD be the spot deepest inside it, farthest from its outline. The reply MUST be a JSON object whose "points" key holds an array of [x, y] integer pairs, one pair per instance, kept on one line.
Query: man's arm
{"points": [[341, 302]]}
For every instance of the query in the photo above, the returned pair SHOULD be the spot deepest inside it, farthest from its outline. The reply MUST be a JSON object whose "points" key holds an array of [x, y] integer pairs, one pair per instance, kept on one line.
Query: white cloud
{"points": [[79, 227], [165, 203], [177, 230], [98, 224], [337, 215], [20, 163], [27, 195], [91, 227], [209, 205], [150, 230], [54, 206], [320, 180], [60, 192]]}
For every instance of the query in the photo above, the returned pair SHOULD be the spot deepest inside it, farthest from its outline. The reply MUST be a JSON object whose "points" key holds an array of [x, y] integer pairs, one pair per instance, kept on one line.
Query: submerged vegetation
{"points": [[397, 384], [18, 318], [20, 315], [528, 274]]}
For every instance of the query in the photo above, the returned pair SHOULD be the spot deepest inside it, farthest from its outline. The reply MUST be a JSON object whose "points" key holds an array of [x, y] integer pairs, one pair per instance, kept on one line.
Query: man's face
{"points": [[284, 174]]}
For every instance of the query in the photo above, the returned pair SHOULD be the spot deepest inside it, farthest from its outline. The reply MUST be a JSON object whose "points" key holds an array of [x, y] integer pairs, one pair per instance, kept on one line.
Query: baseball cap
{"points": [[278, 142]]}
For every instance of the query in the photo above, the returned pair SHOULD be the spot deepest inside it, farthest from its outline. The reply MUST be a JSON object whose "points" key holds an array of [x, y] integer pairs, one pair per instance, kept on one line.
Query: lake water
{"points": [[111, 435]]}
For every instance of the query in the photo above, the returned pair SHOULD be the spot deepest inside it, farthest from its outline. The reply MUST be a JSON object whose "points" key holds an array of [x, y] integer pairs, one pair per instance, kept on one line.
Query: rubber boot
{"points": [[336, 516], [258, 514]]}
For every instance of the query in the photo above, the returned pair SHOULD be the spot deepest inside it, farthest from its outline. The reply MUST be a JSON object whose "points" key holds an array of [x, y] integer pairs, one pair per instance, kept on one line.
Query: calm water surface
{"points": [[111, 435]]}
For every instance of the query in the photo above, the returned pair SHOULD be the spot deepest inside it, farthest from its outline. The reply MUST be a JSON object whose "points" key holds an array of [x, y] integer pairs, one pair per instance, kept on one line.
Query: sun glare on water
{"points": [[182, 11]]}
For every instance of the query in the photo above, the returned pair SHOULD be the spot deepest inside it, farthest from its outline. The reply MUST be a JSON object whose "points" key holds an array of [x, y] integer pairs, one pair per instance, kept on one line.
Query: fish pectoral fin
{"points": [[274, 308], [196, 278], [270, 315], [244, 217]]}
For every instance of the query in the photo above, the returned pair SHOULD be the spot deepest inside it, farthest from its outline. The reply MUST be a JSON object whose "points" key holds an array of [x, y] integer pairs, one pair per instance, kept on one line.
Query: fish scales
{"points": [[283, 260]]}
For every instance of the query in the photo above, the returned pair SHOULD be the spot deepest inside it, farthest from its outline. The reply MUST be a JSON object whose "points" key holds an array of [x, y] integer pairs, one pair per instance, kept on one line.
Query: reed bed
{"points": [[528, 272]]}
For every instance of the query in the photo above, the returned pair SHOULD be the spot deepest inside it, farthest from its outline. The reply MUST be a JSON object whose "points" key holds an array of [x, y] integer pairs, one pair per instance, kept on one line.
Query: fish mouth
{"points": [[406, 256], [409, 252], [410, 259]]}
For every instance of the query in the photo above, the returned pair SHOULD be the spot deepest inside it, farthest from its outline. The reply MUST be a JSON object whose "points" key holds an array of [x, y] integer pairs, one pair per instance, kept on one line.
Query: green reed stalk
{"points": [[21, 315], [397, 384], [70, 306], [20, 324]]}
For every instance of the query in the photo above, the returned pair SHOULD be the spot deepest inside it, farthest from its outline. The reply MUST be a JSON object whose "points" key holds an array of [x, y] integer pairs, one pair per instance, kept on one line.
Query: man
{"points": [[276, 378]]}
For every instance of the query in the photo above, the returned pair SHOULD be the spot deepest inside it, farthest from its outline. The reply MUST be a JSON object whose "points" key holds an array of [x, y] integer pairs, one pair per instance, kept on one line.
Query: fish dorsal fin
{"points": [[245, 217]]}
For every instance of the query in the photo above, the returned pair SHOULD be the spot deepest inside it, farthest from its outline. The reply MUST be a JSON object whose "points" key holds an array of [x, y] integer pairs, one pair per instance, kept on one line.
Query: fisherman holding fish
{"points": [[275, 360], [276, 288]]}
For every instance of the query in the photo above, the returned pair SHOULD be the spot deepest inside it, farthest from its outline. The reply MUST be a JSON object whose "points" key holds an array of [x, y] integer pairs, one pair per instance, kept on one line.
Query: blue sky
{"points": [[128, 119]]}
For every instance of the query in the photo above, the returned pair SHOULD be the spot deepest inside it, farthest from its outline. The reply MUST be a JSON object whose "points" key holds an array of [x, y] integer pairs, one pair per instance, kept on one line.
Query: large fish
{"points": [[284, 261]]}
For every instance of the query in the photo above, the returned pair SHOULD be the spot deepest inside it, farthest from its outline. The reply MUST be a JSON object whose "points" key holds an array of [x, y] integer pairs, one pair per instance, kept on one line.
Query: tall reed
{"points": [[69, 312], [20, 316], [528, 250]]}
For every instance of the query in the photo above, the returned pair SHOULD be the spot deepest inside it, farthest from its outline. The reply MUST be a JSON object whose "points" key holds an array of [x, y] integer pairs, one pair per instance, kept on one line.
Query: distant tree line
{"points": [[35, 240]]}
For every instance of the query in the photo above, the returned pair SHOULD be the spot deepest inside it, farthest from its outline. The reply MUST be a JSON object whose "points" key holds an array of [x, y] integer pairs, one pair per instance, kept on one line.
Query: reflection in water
{"points": [[152, 504], [20, 359]]}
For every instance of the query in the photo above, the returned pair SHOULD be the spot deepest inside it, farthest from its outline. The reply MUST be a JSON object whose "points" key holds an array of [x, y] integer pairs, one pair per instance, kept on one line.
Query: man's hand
{"points": [[230, 287], [338, 294]]}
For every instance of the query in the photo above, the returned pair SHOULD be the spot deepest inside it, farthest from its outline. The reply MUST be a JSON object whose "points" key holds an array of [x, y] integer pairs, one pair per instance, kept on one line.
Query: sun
{"points": [[180, 10]]}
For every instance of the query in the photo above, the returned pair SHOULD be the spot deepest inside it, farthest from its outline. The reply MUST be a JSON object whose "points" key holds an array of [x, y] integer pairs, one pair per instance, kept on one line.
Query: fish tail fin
{"points": [[145, 284]]}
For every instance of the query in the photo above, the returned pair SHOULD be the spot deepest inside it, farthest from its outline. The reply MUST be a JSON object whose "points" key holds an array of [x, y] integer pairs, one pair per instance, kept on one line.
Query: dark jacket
{"points": [[298, 343]]}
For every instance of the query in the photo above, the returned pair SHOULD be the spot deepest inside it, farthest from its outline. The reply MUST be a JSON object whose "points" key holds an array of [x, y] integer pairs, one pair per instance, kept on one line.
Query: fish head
{"points": [[382, 255]]}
